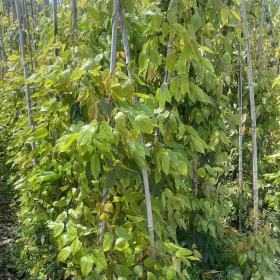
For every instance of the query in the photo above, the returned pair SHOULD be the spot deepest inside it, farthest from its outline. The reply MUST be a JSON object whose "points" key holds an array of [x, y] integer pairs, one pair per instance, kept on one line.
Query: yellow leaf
{"points": [[108, 207], [103, 217]]}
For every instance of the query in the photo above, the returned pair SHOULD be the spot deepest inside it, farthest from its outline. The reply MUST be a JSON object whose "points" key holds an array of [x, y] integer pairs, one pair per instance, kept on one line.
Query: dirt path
{"points": [[7, 235]]}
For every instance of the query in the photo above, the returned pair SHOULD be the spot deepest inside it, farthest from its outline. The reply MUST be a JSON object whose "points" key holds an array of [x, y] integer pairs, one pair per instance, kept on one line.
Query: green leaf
{"points": [[156, 22], [123, 233], [196, 22], [242, 259], [71, 232], [128, 87], [86, 263], [121, 244], [105, 133], [99, 260], [108, 241], [84, 186], [202, 172], [225, 12], [57, 228], [172, 246], [165, 161], [47, 176], [86, 133], [193, 258], [144, 124], [70, 142], [212, 230], [183, 252], [163, 95], [236, 15], [171, 273], [207, 63], [138, 270], [76, 246], [236, 277], [64, 254], [199, 93], [95, 166], [137, 151]]}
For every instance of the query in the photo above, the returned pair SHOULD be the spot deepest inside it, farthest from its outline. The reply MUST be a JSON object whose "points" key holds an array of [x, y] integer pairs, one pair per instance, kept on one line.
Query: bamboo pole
{"points": [[27, 25], [74, 14], [240, 109], [261, 30], [55, 26], [144, 171], [24, 64], [253, 115], [112, 72]]}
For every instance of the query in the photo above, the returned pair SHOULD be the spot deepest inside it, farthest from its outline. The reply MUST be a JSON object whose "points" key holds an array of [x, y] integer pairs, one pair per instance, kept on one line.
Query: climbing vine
{"points": [[128, 129]]}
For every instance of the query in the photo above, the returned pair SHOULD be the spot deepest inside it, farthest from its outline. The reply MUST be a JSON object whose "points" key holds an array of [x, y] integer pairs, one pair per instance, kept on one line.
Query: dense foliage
{"points": [[169, 107]]}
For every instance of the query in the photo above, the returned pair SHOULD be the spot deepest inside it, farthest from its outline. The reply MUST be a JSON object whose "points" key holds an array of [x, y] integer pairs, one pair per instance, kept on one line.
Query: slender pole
{"points": [[14, 10], [144, 171], [55, 28], [240, 108], [195, 176], [112, 72], [261, 31], [24, 64], [253, 115], [32, 14], [114, 37], [2, 47], [27, 26], [74, 14], [125, 43], [169, 50]]}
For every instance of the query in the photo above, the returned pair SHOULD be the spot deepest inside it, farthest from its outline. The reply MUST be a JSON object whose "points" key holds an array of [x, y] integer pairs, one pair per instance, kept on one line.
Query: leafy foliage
{"points": [[86, 140]]}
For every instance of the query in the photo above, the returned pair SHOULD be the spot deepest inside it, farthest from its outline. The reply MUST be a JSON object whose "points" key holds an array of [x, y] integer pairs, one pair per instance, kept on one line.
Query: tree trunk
{"points": [[24, 64], [253, 114]]}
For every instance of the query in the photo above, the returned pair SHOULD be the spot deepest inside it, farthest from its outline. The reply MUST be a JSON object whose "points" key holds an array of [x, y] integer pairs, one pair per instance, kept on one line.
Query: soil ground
{"points": [[7, 234]]}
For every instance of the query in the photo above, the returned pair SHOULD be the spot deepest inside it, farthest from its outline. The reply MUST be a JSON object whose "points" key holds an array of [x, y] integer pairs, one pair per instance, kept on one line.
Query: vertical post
{"points": [[14, 10], [27, 26], [24, 64], [75, 14], [112, 72], [55, 28], [2, 47], [144, 171], [261, 30], [253, 114], [240, 109], [114, 37]]}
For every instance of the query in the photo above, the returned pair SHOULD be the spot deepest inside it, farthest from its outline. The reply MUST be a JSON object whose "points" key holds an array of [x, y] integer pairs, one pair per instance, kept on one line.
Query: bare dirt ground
{"points": [[7, 235]]}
